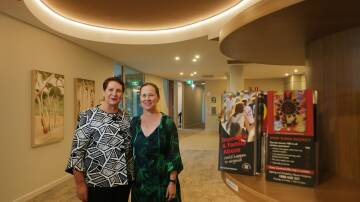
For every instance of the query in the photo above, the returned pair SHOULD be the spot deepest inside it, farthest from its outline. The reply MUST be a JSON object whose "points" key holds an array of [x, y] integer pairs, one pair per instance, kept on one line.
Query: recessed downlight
{"points": [[197, 56], [296, 70], [177, 58], [181, 73], [194, 60], [286, 74]]}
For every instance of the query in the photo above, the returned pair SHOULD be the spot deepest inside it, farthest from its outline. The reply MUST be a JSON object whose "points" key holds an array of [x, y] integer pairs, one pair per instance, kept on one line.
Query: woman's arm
{"points": [[81, 188]]}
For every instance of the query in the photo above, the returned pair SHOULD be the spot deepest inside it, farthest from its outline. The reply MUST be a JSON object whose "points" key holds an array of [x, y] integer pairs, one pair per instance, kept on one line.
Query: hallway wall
{"points": [[213, 89], [27, 170], [265, 84]]}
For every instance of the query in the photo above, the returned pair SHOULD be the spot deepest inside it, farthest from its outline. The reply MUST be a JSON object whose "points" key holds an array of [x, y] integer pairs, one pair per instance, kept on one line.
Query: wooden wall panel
{"points": [[334, 62]]}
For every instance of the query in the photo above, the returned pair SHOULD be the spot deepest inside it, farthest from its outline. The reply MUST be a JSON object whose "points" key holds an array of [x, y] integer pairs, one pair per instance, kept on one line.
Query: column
{"points": [[236, 78]]}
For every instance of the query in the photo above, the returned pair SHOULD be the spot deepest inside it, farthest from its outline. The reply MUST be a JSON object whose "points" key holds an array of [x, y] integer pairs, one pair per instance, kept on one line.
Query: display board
{"points": [[238, 132], [290, 147]]}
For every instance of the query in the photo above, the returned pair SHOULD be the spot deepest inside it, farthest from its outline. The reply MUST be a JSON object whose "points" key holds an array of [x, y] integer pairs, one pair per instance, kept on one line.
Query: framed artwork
{"points": [[47, 108], [84, 95]]}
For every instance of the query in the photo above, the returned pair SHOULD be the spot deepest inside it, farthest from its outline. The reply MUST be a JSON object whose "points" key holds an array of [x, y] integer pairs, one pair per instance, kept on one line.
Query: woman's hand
{"points": [[171, 191], [82, 191]]}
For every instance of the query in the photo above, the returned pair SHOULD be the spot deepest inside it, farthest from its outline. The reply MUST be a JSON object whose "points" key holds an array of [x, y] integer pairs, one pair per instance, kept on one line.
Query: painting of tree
{"points": [[47, 108], [84, 95]]}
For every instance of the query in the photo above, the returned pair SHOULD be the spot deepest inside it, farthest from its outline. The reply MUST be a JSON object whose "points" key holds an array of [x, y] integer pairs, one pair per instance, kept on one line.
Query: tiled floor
{"points": [[200, 180]]}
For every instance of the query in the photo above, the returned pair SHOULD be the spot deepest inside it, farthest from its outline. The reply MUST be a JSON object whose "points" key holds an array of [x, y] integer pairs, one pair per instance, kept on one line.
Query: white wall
{"points": [[23, 48], [295, 82], [213, 88], [265, 84], [162, 105]]}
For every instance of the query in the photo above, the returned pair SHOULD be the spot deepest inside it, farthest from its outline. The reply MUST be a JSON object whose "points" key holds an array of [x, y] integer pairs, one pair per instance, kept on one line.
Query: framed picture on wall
{"points": [[47, 108], [84, 95]]}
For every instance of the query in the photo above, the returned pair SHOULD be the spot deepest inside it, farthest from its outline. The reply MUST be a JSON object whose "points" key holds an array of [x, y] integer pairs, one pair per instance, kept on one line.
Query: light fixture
{"points": [[296, 70], [197, 56], [191, 74], [177, 58], [192, 86], [181, 73], [286, 74], [195, 73], [194, 60]]}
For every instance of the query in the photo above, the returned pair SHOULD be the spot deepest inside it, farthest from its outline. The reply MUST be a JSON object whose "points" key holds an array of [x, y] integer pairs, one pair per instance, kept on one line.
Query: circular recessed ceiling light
{"points": [[286, 74], [195, 73], [191, 74], [296, 70], [194, 60], [177, 58], [181, 73], [197, 56], [102, 34]]}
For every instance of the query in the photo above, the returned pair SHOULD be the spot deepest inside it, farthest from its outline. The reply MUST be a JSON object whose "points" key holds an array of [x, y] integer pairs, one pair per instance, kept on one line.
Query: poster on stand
{"points": [[237, 132], [290, 155]]}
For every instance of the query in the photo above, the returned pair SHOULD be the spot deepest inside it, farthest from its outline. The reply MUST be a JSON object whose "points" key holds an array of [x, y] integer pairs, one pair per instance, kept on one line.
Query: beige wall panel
{"points": [[24, 48], [265, 84], [213, 89]]}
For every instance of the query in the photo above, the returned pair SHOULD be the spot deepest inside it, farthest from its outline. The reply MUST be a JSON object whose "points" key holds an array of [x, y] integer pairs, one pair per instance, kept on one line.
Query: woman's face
{"points": [[113, 93], [148, 98]]}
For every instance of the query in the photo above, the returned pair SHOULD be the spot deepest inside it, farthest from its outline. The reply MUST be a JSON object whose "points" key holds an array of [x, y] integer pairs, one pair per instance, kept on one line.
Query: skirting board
{"points": [[42, 189]]}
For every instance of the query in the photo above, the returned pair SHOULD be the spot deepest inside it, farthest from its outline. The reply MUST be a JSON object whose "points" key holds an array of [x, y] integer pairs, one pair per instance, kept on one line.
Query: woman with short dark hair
{"points": [[101, 159]]}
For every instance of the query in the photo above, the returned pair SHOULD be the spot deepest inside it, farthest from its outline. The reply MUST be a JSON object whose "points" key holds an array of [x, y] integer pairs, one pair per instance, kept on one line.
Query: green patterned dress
{"points": [[155, 157]]}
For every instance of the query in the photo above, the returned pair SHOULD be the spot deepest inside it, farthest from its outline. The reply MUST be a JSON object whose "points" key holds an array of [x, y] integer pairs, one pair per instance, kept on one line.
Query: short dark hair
{"points": [[153, 85], [116, 79]]}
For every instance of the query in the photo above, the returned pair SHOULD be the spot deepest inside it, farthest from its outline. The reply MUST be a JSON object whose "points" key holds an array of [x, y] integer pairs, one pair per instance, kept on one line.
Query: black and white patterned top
{"points": [[101, 148]]}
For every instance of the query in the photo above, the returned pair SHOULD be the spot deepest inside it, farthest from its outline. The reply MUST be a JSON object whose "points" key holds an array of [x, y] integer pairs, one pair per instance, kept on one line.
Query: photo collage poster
{"points": [[237, 128]]}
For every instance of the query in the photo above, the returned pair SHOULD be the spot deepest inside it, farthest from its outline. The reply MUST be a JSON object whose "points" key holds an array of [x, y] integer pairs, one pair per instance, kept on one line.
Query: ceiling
{"points": [[156, 59], [139, 15], [282, 36]]}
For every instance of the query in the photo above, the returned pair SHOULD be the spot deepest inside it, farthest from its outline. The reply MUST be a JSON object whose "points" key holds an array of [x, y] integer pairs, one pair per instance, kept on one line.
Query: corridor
{"points": [[200, 180]]}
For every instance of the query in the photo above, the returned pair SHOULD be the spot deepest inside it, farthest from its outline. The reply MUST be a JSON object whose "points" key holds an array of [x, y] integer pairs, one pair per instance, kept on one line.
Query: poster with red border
{"points": [[290, 112]]}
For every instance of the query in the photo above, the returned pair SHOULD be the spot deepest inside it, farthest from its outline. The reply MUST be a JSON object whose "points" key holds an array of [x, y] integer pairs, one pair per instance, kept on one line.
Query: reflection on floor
{"points": [[200, 179]]}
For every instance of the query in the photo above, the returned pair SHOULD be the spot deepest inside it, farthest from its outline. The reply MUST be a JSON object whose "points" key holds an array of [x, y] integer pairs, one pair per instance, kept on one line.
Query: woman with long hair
{"points": [[156, 152]]}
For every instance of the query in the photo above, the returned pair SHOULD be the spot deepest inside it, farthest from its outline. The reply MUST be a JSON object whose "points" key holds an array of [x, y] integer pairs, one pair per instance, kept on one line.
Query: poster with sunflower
{"points": [[291, 112], [290, 146]]}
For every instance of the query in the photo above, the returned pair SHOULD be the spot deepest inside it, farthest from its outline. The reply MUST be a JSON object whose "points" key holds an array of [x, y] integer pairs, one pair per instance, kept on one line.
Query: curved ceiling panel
{"points": [[139, 15], [277, 32], [155, 22]]}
